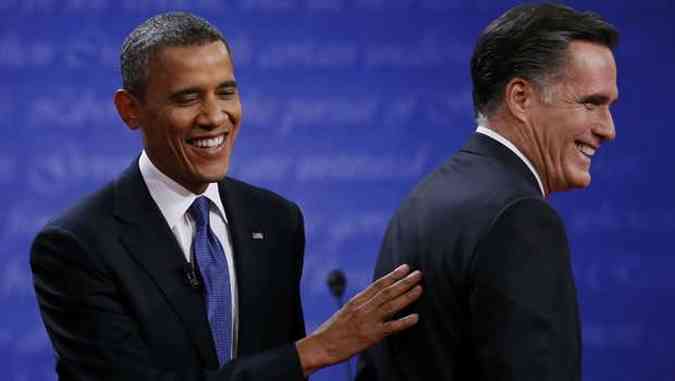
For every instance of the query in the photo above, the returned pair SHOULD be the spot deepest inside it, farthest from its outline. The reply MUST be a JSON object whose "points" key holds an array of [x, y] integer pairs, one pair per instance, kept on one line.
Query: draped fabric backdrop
{"points": [[347, 104]]}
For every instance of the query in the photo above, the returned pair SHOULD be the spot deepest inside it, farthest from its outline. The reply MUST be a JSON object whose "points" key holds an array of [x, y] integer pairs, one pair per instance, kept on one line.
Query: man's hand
{"points": [[363, 321]]}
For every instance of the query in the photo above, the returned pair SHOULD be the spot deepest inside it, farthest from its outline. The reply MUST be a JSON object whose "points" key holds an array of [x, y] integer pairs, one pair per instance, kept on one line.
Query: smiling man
{"points": [[189, 113], [500, 301], [175, 271]]}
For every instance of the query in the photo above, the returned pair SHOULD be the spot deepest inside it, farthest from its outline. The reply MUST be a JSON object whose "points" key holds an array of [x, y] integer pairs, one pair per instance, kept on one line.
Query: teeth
{"points": [[586, 149], [209, 143]]}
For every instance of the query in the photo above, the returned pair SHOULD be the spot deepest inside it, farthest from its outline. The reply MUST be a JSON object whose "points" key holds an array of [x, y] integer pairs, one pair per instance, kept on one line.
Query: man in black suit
{"points": [[176, 272], [500, 301]]}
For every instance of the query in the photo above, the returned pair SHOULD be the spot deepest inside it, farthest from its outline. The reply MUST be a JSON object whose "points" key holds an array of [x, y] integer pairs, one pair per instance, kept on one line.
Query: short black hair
{"points": [[530, 42], [164, 30]]}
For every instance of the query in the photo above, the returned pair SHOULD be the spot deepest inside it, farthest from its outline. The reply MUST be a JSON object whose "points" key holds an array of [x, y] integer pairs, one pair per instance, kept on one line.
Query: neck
{"points": [[524, 138]]}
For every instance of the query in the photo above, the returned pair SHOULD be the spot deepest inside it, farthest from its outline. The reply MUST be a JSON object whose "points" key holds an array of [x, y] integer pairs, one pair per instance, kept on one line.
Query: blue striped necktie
{"points": [[213, 268]]}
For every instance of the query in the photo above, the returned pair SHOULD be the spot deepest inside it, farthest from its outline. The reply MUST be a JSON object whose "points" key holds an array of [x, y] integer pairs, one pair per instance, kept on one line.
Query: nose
{"points": [[212, 114], [605, 128]]}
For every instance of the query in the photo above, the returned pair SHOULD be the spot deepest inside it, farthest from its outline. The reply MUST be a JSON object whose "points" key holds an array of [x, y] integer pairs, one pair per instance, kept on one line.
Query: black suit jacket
{"points": [[110, 282], [499, 300]]}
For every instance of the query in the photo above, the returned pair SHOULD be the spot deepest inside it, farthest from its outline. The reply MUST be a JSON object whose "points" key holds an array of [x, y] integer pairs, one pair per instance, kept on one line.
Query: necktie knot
{"points": [[199, 210]]}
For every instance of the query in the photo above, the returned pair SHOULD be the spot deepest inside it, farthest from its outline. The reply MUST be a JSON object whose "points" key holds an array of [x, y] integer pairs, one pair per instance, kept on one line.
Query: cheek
{"points": [[580, 122], [177, 125], [572, 128], [234, 110], [230, 142]]}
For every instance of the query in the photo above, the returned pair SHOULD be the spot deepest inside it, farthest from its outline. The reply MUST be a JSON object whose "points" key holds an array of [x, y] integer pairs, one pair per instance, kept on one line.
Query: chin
{"points": [[580, 182], [212, 171], [212, 178]]}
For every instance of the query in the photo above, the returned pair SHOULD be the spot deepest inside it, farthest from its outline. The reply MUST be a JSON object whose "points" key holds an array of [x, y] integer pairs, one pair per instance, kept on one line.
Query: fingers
{"points": [[380, 284], [401, 324], [395, 305], [394, 291], [364, 320]]}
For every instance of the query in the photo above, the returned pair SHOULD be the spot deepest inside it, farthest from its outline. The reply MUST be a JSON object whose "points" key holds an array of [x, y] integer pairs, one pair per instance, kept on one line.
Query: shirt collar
{"points": [[172, 198], [501, 139]]}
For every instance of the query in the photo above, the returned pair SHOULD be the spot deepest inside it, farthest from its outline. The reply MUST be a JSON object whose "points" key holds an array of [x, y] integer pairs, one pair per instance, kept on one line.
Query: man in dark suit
{"points": [[500, 301], [175, 272]]}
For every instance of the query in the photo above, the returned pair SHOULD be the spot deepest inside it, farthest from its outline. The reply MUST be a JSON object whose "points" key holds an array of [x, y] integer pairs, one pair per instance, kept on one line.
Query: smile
{"points": [[586, 150], [207, 143]]}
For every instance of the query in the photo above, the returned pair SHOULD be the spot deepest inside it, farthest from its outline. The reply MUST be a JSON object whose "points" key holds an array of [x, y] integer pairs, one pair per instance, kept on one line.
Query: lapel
{"points": [[150, 241], [242, 222]]}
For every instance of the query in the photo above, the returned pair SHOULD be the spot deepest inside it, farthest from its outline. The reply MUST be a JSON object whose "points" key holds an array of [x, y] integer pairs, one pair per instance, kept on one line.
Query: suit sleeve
{"points": [[95, 335], [523, 314]]}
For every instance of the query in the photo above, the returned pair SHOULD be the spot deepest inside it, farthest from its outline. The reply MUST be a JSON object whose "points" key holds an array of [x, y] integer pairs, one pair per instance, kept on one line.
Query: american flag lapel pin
{"points": [[257, 235]]}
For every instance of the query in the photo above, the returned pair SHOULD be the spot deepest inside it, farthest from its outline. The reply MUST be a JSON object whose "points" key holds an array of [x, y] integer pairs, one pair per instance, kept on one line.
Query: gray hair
{"points": [[164, 30], [530, 41]]}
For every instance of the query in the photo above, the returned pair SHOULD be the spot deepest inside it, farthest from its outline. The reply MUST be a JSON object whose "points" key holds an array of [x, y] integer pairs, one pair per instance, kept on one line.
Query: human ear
{"points": [[127, 108], [519, 95]]}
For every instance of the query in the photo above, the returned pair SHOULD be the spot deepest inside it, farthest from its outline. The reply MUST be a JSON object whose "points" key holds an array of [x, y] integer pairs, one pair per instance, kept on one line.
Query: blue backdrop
{"points": [[347, 103]]}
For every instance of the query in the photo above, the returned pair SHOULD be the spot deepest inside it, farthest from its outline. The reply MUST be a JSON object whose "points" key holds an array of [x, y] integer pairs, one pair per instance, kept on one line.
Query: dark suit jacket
{"points": [[499, 300], [110, 282]]}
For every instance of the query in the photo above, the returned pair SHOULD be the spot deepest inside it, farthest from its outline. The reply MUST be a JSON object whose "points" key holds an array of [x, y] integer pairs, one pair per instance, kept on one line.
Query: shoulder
{"points": [[92, 211], [254, 198], [254, 194], [72, 235], [467, 189]]}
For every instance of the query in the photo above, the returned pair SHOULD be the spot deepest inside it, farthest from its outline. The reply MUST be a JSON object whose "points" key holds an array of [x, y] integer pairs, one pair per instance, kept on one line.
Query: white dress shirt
{"points": [[504, 141], [173, 201]]}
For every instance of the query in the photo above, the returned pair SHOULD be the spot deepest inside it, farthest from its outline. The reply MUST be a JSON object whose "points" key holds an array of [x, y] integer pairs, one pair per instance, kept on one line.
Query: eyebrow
{"points": [[597, 99], [229, 83]]}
